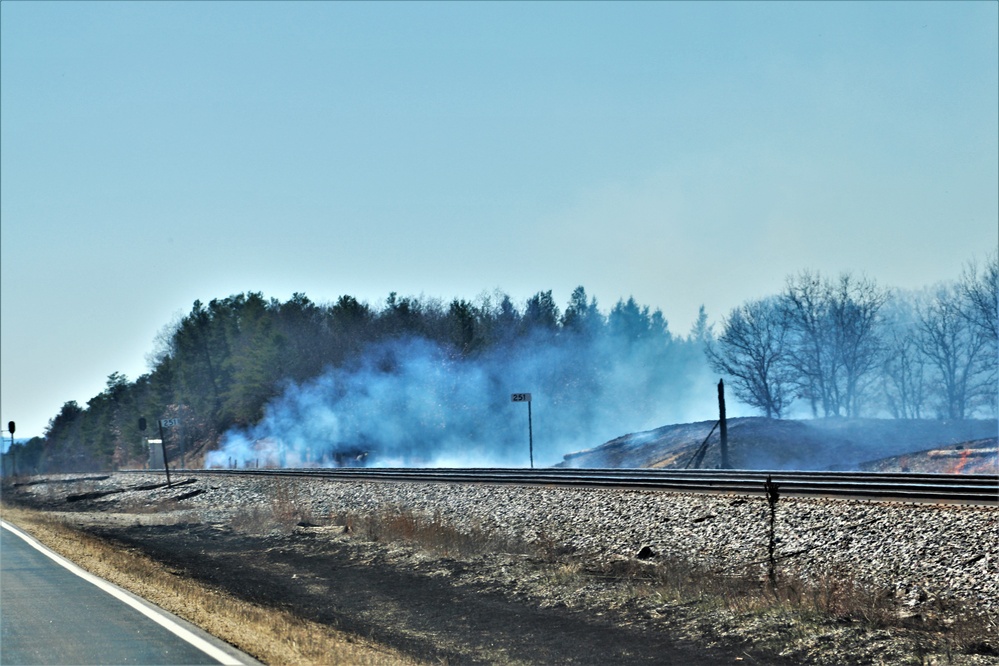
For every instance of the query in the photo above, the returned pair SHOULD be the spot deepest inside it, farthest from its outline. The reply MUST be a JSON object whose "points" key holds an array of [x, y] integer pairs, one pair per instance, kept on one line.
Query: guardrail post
{"points": [[772, 496]]}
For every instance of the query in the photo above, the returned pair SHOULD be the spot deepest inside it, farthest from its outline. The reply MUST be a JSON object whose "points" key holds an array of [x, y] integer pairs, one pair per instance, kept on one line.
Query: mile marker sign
{"points": [[520, 397]]}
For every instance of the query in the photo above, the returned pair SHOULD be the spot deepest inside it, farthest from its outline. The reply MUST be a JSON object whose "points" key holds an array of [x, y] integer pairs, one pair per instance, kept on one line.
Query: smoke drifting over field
{"points": [[411, 402]]}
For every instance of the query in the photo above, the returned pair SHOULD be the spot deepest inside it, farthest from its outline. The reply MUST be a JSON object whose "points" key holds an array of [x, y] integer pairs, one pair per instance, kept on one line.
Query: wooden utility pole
{"points": [[166, 466], [723, 430]]}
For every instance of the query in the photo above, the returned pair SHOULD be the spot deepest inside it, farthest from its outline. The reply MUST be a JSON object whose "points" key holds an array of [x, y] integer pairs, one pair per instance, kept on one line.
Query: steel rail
{"points": [[903, 487]]}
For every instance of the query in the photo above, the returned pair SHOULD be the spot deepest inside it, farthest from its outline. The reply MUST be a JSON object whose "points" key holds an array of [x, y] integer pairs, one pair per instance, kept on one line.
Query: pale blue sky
{"points": [[685, 154]]}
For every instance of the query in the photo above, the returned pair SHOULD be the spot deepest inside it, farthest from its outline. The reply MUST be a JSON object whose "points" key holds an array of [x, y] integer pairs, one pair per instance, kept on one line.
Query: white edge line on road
{"points": [[152, 613]]}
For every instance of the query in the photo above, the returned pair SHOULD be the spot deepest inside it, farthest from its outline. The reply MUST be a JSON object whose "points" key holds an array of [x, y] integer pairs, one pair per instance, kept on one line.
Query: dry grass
{"points": [[432, 533], [836, 597], [811, 606], [269, 635], [282, 513]]}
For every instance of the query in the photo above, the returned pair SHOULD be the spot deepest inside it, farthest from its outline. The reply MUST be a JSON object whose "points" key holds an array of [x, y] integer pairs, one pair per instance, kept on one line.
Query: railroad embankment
{"points": [[923, 564], [924, 554]]}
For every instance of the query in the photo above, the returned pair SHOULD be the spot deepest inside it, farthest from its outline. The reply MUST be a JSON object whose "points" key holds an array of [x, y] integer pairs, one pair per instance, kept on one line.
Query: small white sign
{"points": [[520, 397], [168, 423]]}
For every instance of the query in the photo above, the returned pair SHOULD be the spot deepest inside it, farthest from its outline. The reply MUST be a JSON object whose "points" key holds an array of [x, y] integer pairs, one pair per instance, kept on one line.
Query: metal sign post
{"points": [[526, 397], [13, 453], [10, 428]]}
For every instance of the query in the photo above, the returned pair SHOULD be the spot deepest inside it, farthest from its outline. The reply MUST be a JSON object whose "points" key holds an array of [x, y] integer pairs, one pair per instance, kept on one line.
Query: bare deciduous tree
{"points": [[804, 304], [904, 375], [752, 350], [835, 341], [958, 351], [980, 294], [980, 306], [856, 309]]}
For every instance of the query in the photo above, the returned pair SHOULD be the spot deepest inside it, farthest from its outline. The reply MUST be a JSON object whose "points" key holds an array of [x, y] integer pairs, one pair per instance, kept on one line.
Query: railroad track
{"points": [[949, 488]]}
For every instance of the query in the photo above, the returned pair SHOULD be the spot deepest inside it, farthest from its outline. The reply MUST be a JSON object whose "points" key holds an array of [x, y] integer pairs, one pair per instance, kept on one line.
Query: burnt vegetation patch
{"points": [[421, 585], [439, 610], [97, 494]]}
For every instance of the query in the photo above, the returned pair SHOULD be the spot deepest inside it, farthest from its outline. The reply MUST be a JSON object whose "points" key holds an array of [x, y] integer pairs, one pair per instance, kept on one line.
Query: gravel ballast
{"points": [[925, 555]]}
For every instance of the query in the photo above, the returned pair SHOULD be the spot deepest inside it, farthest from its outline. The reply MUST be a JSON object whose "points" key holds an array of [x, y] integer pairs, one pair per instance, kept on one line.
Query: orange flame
{"points": [[958, 466]]}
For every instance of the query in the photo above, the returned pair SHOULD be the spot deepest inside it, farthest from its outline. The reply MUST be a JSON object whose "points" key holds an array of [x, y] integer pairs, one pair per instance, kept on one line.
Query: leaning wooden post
{"points": [[166, 466], [723, 431]]}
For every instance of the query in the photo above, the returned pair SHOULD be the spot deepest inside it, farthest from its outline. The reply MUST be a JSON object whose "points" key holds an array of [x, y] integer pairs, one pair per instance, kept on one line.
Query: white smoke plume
{"points": [[411, 402]]}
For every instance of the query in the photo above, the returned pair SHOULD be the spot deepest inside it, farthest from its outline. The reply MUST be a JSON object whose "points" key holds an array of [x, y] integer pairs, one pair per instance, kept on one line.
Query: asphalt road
{"points": [[51, 612]]}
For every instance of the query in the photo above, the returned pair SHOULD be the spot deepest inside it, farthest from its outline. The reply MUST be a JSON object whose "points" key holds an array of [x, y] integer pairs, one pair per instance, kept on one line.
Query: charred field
{"points": [[885, 445]]}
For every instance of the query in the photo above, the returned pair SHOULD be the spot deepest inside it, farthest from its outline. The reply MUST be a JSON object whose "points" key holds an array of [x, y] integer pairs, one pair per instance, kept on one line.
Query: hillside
{"points": [[818, 444], [976, 457]]}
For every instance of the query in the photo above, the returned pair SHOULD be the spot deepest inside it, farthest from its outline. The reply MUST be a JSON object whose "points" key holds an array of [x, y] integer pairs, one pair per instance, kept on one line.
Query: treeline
{"points": [[219, 366], [848, 347], [832, 347]]}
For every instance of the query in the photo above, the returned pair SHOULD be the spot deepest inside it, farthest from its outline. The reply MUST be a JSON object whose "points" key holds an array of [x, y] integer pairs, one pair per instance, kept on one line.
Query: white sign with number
{"points": [[169, 423], [520, 397]]}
